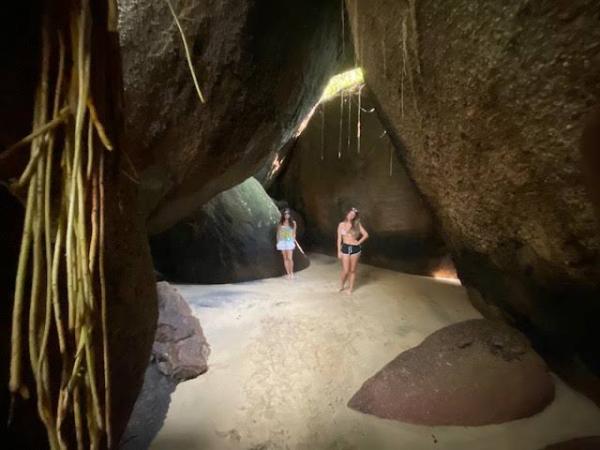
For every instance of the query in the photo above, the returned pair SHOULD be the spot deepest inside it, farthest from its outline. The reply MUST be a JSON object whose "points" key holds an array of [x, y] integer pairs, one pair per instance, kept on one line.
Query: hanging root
{"points": [[349, 120], [415, 32], [187, 51], [341, 124], [322, 131], [358, 130], [410, 59], [55, 248]]}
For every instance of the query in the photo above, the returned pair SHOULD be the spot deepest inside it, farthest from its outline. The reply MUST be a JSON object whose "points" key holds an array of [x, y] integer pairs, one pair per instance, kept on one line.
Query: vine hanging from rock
{"points": [[60, 288]]}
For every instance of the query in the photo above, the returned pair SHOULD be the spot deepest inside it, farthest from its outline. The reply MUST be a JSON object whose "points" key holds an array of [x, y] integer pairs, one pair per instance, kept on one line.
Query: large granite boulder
{"points": [[230, 239], [331, 169], [261, 65], [472, 373], [489, 101], [180, 349]]}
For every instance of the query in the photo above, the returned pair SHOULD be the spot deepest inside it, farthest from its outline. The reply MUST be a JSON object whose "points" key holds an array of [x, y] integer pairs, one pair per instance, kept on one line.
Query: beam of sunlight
{"points": [[351, 79]]}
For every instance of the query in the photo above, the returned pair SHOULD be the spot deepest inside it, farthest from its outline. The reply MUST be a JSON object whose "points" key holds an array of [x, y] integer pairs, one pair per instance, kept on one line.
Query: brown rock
{"points": [[471, 373], [490, 111], [180, 349], [261, 64]]}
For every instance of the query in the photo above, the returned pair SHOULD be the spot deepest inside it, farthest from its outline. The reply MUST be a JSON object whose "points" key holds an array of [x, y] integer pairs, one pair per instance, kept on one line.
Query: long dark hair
{"points": [[355, 222], [282, 219]]}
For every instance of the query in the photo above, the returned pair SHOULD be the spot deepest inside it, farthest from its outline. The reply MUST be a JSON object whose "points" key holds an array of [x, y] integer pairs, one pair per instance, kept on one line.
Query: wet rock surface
{"points": [[490, 111], [230, 239], [330, 170], [471, 373], [261, 66]]}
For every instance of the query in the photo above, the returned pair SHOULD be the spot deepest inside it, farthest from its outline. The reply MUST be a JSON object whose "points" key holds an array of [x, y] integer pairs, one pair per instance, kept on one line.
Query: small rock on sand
{"points": [[180, 349]]}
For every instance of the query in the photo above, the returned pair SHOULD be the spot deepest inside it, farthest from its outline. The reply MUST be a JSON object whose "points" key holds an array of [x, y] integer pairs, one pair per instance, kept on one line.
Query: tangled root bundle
{"points": [[60, 290]]}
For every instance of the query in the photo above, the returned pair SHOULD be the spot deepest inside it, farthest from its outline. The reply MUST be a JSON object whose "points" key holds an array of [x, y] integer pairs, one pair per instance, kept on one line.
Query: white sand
{"points": [[287, 356]]}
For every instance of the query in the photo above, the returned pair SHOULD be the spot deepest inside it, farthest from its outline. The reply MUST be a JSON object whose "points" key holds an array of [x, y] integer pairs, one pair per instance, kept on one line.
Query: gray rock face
{"points": [[261, 64], [472, 373], [490, 100], [230, 239], [150, 410], [330, 170], [180, 350]]}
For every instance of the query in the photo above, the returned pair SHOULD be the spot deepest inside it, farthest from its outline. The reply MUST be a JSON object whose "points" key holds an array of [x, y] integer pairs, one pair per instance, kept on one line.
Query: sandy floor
{"points": [[287, 356]]}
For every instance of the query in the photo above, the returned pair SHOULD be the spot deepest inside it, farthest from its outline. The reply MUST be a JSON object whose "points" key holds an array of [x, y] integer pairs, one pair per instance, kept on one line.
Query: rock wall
{"points": [[489, 101], [228, 240], [330, 170], [261, 65]]}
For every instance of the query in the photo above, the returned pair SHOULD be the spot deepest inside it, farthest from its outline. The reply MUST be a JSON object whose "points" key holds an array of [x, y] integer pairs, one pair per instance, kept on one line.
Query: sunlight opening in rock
{"points": [[345, 81]]}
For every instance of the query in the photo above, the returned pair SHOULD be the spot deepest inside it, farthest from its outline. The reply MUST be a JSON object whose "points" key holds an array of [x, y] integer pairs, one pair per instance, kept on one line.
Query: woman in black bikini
{"points": [[350, 235]]}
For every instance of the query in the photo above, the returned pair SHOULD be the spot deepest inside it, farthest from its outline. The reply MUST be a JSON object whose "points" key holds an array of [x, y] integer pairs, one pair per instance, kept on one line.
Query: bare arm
{"points": [[294, 234], [278, 230], [364, 235], [339, 241]]}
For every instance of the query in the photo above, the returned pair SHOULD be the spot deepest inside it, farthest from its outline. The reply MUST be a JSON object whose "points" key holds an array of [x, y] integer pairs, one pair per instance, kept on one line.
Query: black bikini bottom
{"points": [[348, 249]]}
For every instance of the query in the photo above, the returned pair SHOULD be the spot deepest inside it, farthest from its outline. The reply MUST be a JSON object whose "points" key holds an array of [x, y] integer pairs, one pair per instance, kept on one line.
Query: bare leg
{"points": [[291, 262], [352, 275], [285, 264], [288, 263], [345, 271]]}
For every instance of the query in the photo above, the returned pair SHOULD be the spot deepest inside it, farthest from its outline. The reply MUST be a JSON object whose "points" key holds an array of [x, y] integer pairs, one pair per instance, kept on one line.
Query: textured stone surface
{"points": [[150, 410], [586, 443], [230, 239], [261, 66], [471, 373], [180, 350], [330, 170], [490, 112], [590, 150]]}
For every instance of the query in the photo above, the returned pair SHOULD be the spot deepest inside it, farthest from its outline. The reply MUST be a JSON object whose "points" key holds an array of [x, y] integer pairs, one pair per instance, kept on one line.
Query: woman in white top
{"points": [[350, 235], [286, 241]]}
